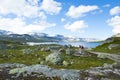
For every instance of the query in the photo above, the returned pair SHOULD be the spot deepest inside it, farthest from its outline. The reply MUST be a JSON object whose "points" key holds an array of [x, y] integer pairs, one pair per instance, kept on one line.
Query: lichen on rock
{"points": [[54, 58]]}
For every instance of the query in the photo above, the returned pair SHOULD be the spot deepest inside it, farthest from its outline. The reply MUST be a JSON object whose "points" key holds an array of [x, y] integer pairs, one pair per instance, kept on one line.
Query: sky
{"points": [[75, 18]]}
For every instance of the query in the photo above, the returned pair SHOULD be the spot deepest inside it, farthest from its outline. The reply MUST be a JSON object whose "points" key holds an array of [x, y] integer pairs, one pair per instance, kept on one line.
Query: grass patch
{"points": [[104, 48], [82, 62]]}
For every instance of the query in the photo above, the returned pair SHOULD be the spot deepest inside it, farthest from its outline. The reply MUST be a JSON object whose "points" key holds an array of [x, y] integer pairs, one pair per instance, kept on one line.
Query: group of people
{"points": [[81, 46]]}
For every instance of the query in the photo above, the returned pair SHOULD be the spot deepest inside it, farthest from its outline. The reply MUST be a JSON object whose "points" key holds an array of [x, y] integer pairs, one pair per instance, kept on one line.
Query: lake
{"points": [[85, 44]]}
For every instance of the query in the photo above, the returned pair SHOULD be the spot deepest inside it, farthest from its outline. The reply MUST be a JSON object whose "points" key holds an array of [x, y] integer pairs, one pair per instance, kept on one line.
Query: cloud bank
{"points": [[76, 26], [23, 11], [115, 20]]}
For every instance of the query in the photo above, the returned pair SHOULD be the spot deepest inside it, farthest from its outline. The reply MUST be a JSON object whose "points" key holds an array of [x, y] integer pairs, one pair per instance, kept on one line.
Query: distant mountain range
{"points": [[3, 32], [40, 37]]}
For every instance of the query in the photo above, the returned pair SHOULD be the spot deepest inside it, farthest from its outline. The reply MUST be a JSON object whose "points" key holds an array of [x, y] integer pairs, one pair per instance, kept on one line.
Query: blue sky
{"points": [[77, 18]]}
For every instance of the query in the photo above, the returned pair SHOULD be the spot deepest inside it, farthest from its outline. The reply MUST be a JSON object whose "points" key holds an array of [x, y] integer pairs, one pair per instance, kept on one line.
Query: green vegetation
{"points": [[36, 56], [106, 46], [9, 42], [82, 62]]}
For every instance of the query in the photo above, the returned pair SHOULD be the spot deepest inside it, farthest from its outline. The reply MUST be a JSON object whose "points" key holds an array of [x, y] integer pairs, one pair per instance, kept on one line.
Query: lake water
{"points": [[85, 44]]}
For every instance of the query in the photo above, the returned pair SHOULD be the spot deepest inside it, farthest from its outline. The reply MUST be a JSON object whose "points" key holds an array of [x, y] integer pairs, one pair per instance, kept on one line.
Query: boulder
{"points": [[69, 51], [54, 58]]}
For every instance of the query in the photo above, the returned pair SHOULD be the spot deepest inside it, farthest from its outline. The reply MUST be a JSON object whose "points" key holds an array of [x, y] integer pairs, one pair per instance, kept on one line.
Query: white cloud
{"points": [[30, 14], [42, 16], [17, 7], [115, 10], [63, 19], [18, 25], [29, 8], [76, 12], [33, 2], [115, 23], [51, 6], [76, 26]]}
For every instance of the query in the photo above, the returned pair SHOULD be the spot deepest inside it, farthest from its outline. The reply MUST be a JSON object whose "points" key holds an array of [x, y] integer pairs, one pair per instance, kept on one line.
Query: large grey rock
{"points": [[69, 51], [54, 58]]}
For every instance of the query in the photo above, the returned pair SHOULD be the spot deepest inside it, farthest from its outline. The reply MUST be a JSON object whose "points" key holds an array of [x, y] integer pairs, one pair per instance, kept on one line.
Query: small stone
{"points": [[41, 62], [65, 63]]}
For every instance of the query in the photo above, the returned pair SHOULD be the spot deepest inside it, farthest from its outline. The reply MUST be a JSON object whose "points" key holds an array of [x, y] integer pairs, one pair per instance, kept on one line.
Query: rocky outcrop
{"points": [[101, 73], [108, 40], [42, 70], [114, 46], [11, 65], [113, 38]]}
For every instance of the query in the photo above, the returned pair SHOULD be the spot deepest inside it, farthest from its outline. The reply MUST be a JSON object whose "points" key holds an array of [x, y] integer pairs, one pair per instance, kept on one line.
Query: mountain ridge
{"points": [[41, 37]]}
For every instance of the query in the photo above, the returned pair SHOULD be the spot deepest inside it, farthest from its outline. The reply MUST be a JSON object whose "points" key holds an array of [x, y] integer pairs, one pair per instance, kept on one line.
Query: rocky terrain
{"points": [[58, 62], [42, 72]]}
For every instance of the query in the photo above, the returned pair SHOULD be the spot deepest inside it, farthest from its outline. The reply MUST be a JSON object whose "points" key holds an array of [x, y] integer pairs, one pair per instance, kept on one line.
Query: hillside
{"points": [[110, 45]]}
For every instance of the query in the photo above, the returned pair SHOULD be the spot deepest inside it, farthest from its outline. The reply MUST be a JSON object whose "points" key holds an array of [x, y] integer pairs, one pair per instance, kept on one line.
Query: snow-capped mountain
{"points": [[73, 39], [37, 34], [33, 36], [4, 32]]}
